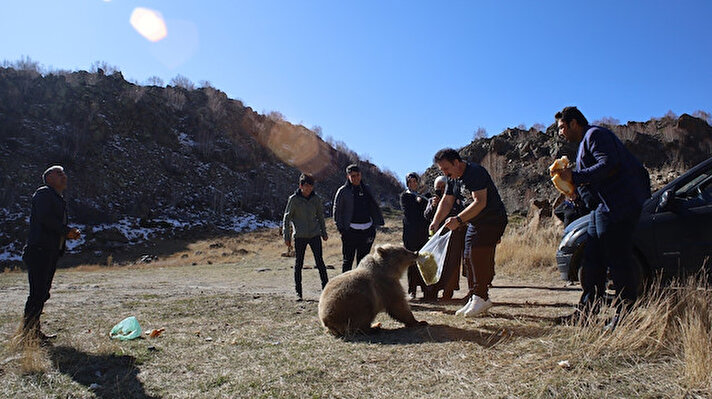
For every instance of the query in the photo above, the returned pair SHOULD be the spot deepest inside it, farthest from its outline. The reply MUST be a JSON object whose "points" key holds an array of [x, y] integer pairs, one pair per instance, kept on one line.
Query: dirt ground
{"points": [[233, 329]]}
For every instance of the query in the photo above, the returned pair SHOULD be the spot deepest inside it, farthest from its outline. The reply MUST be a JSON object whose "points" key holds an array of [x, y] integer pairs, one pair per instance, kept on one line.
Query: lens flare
{"points": [[148, 23], [299, 147]]}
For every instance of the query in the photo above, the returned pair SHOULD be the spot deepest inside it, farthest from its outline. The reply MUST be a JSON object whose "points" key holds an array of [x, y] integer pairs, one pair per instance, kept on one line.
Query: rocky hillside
{"points": [[518, 159], [148, 162]]}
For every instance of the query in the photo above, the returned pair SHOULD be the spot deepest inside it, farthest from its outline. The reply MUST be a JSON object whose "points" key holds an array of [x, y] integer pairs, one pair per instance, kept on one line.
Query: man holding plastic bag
{"points": [[486, 219]]}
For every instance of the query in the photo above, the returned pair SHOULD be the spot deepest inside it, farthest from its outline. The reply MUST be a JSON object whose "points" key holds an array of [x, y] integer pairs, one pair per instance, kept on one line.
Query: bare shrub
{"points": [[182, 82], [607, 121], [275, 116], [480, 133], [540, 127], [104, 66], [24, 64], [317, 130], [206, 84], [706, 116], [670, 115], [155, 81]]}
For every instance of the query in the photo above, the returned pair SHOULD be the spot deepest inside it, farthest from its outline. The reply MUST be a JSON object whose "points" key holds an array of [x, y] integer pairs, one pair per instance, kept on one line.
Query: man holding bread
{"points": [[606, 170]]}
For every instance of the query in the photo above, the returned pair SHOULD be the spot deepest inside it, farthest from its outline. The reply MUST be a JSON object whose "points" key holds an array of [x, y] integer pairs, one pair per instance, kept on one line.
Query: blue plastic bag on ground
{"points": [[127, 328]]}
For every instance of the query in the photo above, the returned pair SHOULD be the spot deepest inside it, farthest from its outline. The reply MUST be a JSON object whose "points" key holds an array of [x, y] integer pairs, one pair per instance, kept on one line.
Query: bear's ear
{"points": [[381, 251]]}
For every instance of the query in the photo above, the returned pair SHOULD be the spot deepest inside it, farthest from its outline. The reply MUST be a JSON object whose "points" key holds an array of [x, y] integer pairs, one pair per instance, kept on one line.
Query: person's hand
{"points": [[73, 234], [434, 201], [572, 197], [325, 237], [565, 174], [433, 226], [452, 223]]}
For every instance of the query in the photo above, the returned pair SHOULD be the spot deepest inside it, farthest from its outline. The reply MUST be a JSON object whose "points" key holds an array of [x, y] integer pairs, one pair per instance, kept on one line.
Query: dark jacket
{"points": [[307, 215], [344, 207], [415, 226], [611, 173], [48, 221]]}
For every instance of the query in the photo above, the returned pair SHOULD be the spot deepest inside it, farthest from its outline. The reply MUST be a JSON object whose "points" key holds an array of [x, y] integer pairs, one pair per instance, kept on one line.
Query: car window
{"points": [[691, 187]]}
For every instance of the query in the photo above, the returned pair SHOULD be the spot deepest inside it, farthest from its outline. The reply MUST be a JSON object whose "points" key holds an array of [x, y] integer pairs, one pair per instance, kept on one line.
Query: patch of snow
{"points": [[185, 140], [248, 222], [11, 253]]}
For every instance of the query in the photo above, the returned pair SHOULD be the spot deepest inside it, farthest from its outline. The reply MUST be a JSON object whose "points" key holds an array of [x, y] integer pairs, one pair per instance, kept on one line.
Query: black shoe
{"points": [[299, 298]]}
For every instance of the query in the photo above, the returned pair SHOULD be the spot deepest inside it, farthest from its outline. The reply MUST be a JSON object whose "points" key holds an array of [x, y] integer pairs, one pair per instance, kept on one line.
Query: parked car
{"points": [[673, 237]]}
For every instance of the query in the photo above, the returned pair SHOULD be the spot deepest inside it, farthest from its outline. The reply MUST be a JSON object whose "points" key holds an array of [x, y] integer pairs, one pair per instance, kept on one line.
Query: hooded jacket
{"points": [[307, 215]]}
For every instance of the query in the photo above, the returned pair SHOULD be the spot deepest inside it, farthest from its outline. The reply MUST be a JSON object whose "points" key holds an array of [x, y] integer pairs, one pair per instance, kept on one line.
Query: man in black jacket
{"points": [[356, 214], [415, 230], [45, 244]]}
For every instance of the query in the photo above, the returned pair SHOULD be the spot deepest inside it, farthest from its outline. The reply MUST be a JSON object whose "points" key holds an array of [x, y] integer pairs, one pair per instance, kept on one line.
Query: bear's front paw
{"points": [[422, 323]]}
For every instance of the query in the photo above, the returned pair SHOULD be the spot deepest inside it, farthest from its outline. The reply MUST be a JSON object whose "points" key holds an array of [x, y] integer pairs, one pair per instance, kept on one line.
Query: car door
{"points": [[683, 228], [698, 251]]}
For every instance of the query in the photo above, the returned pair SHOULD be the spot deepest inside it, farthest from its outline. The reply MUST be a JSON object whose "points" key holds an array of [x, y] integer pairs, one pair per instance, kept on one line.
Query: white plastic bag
{"points": [[431, 258]]}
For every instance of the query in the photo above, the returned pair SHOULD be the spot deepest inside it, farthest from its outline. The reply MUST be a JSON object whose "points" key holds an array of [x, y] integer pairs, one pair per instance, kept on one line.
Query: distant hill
{"points": [[154, 162], [518, 159]]}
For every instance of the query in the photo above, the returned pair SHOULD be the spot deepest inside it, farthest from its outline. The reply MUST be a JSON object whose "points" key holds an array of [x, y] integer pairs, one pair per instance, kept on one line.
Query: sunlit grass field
{"points": [[233, 329]]}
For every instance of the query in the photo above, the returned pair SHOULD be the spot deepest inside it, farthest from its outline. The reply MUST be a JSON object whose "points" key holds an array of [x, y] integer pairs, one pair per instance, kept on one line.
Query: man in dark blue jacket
{"points": [[45, 244], [620, 183]]}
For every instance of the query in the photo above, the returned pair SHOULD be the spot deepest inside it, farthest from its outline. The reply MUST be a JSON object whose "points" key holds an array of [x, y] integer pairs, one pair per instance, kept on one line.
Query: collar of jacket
{"points": [[298, 193], [50, 188]]}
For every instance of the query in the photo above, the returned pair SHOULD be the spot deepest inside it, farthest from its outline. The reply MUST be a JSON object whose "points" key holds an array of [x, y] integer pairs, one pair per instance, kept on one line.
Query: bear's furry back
{"points": [[351, 301]]}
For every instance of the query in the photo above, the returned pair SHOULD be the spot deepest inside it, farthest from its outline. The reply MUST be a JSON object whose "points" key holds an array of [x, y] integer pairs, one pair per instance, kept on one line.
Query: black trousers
{"points": [[609, 246], [300, 248], [356, 243], [41, 266]]}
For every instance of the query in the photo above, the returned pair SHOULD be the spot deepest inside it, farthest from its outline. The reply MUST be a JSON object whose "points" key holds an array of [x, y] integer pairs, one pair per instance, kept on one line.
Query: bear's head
{"points": [[395, 258]]}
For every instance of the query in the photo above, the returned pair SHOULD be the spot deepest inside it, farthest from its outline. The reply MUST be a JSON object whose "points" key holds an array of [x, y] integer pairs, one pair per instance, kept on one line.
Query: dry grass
{"points": [[525, 250], [233, 330]]}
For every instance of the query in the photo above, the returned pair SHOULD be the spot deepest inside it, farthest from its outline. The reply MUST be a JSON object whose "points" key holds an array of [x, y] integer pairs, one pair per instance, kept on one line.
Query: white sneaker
{"points": [[479, 306], [464, 308]]}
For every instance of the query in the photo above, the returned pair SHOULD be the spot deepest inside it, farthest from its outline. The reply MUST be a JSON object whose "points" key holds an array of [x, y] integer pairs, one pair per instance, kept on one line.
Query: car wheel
{"points": [[575, 264]]}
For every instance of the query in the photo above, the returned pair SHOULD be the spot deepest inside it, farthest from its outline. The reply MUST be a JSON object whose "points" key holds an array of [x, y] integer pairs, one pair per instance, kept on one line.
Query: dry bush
{"points": [[182, 82], [670, 323], [30, 356], [524, 249]]}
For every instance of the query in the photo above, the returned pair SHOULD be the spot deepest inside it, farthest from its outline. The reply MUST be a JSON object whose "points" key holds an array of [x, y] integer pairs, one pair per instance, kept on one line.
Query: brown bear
{"points": [[351, 301]]}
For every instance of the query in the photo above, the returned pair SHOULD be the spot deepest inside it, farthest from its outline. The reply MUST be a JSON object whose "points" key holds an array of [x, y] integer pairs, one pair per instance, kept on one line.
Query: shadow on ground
{"points": [[485, 336], [117, 376]]}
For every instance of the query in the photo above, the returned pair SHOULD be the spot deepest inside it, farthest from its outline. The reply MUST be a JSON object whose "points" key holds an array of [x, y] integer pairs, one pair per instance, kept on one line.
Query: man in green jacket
{"points": [[306, 212]]}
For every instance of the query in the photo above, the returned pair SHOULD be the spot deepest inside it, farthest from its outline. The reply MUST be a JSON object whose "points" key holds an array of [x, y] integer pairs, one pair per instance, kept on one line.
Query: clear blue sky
{"points": [[396, 80]]}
